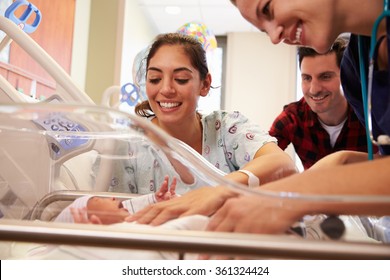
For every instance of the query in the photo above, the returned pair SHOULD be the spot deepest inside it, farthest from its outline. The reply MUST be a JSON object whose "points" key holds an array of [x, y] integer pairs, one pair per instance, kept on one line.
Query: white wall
{"points": [[260, 77], [132, 33], [137, 34], [80, 42]]}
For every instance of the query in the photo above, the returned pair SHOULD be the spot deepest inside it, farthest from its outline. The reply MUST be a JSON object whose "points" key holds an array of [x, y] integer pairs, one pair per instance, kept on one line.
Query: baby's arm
{"points": [[163, 193], [132, 205]]}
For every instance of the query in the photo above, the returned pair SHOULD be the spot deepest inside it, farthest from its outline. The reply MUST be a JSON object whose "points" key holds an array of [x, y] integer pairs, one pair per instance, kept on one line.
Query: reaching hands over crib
{"points": [[256, 214], [203, 201]]}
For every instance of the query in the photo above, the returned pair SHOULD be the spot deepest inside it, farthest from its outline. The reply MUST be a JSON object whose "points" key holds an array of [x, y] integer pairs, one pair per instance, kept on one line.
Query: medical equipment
{"points": [[367, 85], [21, 21], [382, 139], [130, 94], [118, 97], [66, 89], [373, 224], [252, 246]]}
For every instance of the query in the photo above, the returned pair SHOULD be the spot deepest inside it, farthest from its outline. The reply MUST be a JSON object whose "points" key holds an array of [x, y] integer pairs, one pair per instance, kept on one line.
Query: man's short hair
{"points": [[338, 48]]}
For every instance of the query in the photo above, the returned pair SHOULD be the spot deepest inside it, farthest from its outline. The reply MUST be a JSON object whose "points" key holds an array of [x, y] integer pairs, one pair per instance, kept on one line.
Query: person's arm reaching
{"points": [[204, 201], [264, 214], [269, 164]]}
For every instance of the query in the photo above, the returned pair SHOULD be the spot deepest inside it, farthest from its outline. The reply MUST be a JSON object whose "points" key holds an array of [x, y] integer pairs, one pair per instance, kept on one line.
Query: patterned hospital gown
{"points": [[230, 141]]}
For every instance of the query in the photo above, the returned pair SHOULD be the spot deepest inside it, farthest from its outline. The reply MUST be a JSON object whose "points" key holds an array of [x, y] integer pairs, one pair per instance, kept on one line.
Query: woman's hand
{"points": [[204, 201], [255, 214]]}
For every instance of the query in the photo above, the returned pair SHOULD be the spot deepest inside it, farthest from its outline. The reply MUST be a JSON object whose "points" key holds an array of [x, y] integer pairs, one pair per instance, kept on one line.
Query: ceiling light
{"points": [[173, 10]]}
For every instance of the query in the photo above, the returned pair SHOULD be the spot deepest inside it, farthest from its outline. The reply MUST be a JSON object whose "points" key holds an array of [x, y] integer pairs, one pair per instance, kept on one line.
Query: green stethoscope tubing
{"points": [[367, 87]]}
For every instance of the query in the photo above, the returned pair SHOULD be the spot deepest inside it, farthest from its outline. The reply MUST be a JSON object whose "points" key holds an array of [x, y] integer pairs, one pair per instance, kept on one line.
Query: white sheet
{"points": [[67, 252]]}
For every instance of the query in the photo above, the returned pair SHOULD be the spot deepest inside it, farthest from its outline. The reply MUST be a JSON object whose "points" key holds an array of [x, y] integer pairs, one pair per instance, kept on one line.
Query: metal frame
{"points": [[237, 245]]}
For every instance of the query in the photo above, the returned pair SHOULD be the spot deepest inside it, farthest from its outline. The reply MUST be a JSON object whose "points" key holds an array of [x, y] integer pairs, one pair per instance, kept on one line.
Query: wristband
{"points": [[253, 181]]}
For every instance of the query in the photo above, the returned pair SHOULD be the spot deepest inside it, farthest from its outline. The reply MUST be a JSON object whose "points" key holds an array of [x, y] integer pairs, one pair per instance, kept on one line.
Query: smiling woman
{"points": [[177, 77]]}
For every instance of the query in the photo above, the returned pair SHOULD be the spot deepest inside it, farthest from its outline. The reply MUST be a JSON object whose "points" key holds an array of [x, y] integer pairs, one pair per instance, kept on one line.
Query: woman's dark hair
{"points": [[338, 48], [191, 47]]}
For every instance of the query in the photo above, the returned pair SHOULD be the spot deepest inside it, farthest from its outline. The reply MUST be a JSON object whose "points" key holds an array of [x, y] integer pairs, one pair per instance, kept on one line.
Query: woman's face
{"points": [[295, 22], [173, 85]]}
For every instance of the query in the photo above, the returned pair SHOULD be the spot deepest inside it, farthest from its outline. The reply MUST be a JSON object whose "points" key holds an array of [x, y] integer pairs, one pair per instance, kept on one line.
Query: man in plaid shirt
{"points": [[321, 122]]}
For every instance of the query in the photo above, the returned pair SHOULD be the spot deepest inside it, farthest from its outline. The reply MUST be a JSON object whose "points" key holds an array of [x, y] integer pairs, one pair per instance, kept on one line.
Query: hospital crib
{"points": [[42, 170], [52, 152]]}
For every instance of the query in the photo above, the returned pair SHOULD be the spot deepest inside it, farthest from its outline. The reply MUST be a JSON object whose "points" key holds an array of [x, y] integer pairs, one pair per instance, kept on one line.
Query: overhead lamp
{"points": [[173, 10]]}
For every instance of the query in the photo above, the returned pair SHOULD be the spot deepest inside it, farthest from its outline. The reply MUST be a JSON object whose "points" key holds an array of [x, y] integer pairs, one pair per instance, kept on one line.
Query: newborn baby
{"points": [[102, 210]]}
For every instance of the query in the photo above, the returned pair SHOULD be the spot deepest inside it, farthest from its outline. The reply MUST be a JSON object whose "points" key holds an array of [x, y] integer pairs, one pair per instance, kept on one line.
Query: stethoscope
{"points": [[366, 82]]}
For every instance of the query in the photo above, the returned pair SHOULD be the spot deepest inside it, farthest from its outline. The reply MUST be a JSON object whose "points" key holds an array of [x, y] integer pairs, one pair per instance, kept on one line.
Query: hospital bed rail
{"points": [[252, 246], [260, 246]]}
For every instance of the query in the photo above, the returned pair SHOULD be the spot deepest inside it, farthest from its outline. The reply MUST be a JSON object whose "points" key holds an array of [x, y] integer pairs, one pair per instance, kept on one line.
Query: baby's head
{"points": [[66, 215], [100, 210]]}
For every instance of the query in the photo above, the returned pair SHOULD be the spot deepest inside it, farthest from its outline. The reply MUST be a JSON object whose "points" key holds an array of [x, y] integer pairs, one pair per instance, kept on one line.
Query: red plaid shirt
{"points": [[299, 125]]}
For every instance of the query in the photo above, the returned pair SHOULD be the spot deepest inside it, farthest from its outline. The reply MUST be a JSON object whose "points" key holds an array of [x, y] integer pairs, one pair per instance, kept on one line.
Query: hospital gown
{"points": [[229, 141]]}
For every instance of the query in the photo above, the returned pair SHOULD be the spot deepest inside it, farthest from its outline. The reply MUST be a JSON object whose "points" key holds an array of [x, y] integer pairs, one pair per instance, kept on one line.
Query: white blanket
{"points": [[67, 252]]}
